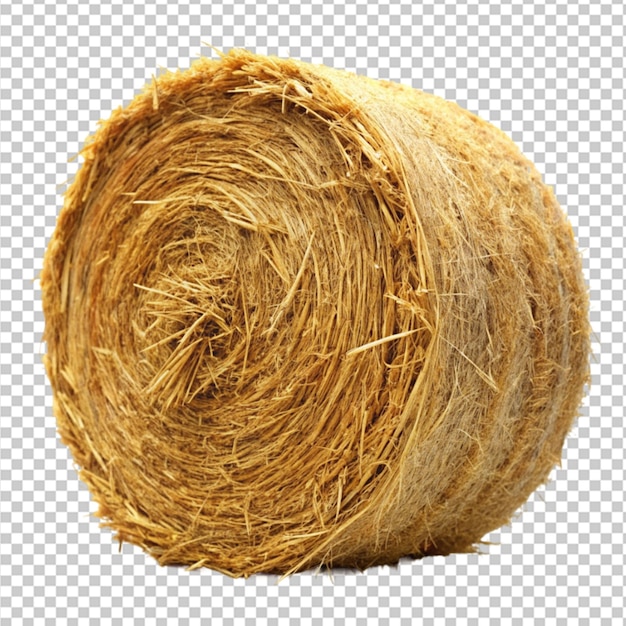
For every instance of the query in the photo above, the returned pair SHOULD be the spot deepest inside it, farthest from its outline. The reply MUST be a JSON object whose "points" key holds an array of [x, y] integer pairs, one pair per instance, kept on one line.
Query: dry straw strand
{"points": [[297, 317]]}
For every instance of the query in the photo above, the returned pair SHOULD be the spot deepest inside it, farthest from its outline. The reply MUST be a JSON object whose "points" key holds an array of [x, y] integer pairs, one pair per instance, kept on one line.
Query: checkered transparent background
{"points": [[550, 73]]}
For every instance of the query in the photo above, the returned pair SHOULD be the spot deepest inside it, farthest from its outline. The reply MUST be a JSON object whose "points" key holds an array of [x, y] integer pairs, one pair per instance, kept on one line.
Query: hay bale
{"points": [[297, 317]]}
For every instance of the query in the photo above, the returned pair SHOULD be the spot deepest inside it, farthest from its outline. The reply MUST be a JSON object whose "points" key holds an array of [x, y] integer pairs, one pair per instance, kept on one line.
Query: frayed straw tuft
{"points": [[297, 318]]}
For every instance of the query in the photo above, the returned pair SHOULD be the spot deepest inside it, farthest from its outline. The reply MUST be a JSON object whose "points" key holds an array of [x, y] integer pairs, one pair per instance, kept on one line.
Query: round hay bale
{"points": [[298, 317]]}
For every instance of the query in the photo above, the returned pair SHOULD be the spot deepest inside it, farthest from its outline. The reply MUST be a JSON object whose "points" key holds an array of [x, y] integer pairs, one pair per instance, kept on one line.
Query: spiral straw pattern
{"points": [[296, 317]]}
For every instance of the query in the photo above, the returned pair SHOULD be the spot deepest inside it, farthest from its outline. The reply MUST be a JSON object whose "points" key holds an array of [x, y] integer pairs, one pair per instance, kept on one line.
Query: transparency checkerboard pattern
{"points": [[548, 72]]}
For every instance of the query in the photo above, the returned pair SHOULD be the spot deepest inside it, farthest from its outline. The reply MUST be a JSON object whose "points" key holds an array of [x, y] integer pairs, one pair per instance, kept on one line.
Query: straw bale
{"points": [[297, 317]]}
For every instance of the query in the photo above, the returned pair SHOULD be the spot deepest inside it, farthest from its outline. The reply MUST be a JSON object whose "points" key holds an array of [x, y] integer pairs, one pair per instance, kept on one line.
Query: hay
{"points": [[296, 317]]}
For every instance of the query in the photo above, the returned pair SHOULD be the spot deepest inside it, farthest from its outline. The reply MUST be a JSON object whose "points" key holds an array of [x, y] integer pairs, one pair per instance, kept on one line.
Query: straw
{"points": [[300, 318]]}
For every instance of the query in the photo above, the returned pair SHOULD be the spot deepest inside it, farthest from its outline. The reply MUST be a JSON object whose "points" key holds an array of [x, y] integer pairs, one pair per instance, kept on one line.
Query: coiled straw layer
{"points": [[297, 317]]}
